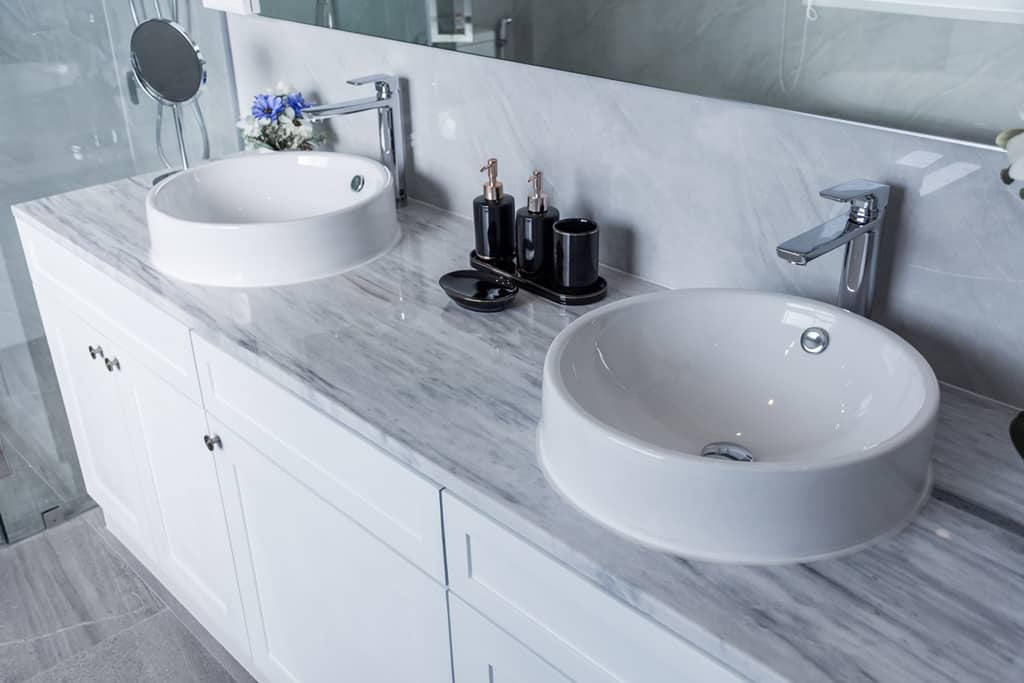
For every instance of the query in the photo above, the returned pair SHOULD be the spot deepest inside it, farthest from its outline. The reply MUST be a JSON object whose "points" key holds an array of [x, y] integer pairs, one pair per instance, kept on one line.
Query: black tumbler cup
{"points": [[575, 257]]}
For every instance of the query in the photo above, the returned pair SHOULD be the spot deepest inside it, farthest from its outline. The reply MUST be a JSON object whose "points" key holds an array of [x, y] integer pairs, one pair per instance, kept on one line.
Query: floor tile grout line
{"points": [[128, 562], [82, 624], [100, 533], [95, 645]]}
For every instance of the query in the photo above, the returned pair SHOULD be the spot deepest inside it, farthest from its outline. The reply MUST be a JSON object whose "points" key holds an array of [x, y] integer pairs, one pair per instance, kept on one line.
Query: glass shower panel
{"points": [[68, 122]]}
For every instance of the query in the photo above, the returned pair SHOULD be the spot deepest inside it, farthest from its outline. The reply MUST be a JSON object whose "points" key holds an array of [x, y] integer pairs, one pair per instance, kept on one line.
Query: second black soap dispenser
{"points": [[534, 244], [494, 214]]}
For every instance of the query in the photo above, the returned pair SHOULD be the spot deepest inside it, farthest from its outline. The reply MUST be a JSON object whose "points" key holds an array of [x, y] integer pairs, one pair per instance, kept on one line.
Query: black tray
{"points": [[575, 298]]}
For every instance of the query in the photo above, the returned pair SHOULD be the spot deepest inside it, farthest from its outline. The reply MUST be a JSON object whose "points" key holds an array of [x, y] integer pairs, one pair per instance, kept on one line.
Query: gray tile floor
{"points": [[76, 606]]}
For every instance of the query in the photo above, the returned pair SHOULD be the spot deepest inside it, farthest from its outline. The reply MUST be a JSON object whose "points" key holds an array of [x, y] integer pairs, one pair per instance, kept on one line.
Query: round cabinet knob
{"points": [[212, 442], [96, 352], [112, 364]]}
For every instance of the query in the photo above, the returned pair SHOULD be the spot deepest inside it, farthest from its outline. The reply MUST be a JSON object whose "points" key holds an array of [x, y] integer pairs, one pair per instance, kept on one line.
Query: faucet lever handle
{"points": [[384, 82], [859, 191]]}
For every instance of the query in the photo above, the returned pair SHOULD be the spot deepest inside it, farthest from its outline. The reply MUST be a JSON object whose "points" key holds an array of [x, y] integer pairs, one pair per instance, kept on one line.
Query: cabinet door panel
{"points": [[91, 397], [324, 599], [483, 653], [192, 546]]}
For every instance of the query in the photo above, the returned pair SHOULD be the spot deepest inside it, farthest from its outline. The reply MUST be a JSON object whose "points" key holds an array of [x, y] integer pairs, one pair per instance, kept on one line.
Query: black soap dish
{"points": [[479, 291], [578, 297], [1017, 433]]}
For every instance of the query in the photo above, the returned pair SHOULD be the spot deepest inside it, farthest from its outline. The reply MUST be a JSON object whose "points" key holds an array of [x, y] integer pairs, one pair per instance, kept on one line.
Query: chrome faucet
{"points": [[860, 231], [390, 122]]}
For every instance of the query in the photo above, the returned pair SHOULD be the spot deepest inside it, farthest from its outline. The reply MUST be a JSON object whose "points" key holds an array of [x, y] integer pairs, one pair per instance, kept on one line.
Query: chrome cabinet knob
{"points": [[112, 364], [212, 442], [96, 352]]}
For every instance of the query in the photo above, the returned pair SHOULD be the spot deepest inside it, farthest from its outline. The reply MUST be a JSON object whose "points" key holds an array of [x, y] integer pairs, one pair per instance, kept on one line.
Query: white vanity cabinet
{"points": [[338, 547], [138, 436], [309, 553], [112, 471]]}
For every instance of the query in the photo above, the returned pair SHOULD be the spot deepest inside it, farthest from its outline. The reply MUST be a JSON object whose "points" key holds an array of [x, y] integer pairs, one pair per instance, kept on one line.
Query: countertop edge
{"points": [[450, 478]]}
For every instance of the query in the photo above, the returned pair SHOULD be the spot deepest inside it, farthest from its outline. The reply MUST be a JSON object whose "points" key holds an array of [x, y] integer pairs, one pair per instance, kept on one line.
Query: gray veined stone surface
{"points": [[74, 608], [456, 395]]}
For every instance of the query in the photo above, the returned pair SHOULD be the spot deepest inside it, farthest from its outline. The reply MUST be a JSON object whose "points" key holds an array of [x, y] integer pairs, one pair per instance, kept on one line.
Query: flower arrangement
{"points": [[1012, 141], [276, 122]]}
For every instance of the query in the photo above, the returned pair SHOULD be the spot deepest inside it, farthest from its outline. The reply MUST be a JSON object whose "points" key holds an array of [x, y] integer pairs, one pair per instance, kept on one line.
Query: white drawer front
{"points": [[565, 619], [134, 325], [483, 653], [397, 505]]}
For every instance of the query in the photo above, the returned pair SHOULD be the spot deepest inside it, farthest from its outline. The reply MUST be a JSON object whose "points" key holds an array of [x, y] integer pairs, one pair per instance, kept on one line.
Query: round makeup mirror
{"points": [[166, 62], [170, 68]]}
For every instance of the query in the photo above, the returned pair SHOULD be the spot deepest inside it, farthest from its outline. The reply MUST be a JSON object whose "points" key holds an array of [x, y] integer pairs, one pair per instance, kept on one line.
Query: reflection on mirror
{"points": [[942, 67], [166, 62], [170, 68]]}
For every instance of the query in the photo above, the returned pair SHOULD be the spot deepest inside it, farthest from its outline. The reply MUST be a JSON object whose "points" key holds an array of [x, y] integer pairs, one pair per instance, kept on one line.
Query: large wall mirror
{"points": [[943, 67]]}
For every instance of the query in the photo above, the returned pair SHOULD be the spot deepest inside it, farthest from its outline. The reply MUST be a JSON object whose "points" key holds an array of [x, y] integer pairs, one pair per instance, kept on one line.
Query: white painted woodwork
{"points": [[190, 531], [324, 599], [399, 506], [110, 467], [155, 338], [568, 621], [483, 653]]}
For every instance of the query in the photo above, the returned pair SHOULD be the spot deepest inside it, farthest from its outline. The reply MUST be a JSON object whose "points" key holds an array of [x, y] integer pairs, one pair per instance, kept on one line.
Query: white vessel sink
{"points": [[272, 219], [841, 440]]}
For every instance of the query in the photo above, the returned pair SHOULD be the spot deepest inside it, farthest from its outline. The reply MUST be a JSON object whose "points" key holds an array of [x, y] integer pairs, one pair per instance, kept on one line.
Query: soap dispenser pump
{"points": [[494, 219], [534, 244]]}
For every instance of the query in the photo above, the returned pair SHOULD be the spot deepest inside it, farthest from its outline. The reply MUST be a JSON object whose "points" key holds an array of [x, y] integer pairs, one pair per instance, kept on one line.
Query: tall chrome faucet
{"points": [[860, 231], [390, 122]]}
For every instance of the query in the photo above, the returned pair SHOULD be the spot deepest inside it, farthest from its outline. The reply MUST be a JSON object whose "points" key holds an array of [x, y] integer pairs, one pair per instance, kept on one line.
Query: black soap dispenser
{"points": [[494, 215], [534, 244]]}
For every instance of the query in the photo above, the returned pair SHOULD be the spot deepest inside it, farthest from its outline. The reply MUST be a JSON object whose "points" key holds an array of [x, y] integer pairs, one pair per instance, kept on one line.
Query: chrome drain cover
{"points": [[814, 340], [727, 450]]}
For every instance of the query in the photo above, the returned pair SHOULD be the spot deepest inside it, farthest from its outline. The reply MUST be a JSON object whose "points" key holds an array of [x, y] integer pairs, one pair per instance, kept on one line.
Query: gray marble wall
{"points": [[692, 191]]}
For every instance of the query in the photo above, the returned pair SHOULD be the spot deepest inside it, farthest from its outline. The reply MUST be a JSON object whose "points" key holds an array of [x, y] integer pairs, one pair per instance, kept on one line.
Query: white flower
{"points": [[304, 131], [283, 88]]}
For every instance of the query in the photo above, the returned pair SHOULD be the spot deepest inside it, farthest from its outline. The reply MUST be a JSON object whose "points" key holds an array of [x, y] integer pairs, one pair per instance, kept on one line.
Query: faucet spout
{"points": [[819, 241], [390, 122], [859, 231]]}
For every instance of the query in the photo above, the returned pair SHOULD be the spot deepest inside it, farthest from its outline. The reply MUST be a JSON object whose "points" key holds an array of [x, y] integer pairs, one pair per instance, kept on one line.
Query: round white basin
{"points": [[272, 219], [840, 440]]}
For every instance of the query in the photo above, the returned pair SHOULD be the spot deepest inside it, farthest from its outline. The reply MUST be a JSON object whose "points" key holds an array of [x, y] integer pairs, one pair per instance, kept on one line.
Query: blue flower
{"points": [[265, 106], [297, 103]]}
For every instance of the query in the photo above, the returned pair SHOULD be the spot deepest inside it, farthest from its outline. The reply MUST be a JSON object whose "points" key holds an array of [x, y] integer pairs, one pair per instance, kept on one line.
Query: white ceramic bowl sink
{"points": [[271, 219], [841, 440]]}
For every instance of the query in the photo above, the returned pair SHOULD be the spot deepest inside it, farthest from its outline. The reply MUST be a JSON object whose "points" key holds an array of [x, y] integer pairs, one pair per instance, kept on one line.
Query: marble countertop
{"points": [[456, 395]]}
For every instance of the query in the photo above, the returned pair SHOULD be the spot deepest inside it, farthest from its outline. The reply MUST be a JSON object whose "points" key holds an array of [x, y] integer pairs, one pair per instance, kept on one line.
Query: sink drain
{"points": [[727, 450], [814, 340]]}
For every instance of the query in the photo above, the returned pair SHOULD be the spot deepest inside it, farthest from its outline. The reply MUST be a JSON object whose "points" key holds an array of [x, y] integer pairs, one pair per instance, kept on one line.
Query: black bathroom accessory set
{"points": [[533, 248]]}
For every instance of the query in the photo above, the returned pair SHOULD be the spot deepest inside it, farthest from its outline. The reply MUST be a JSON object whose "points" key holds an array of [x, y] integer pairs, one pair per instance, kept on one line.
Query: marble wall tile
{"points": [[692, 191]]}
